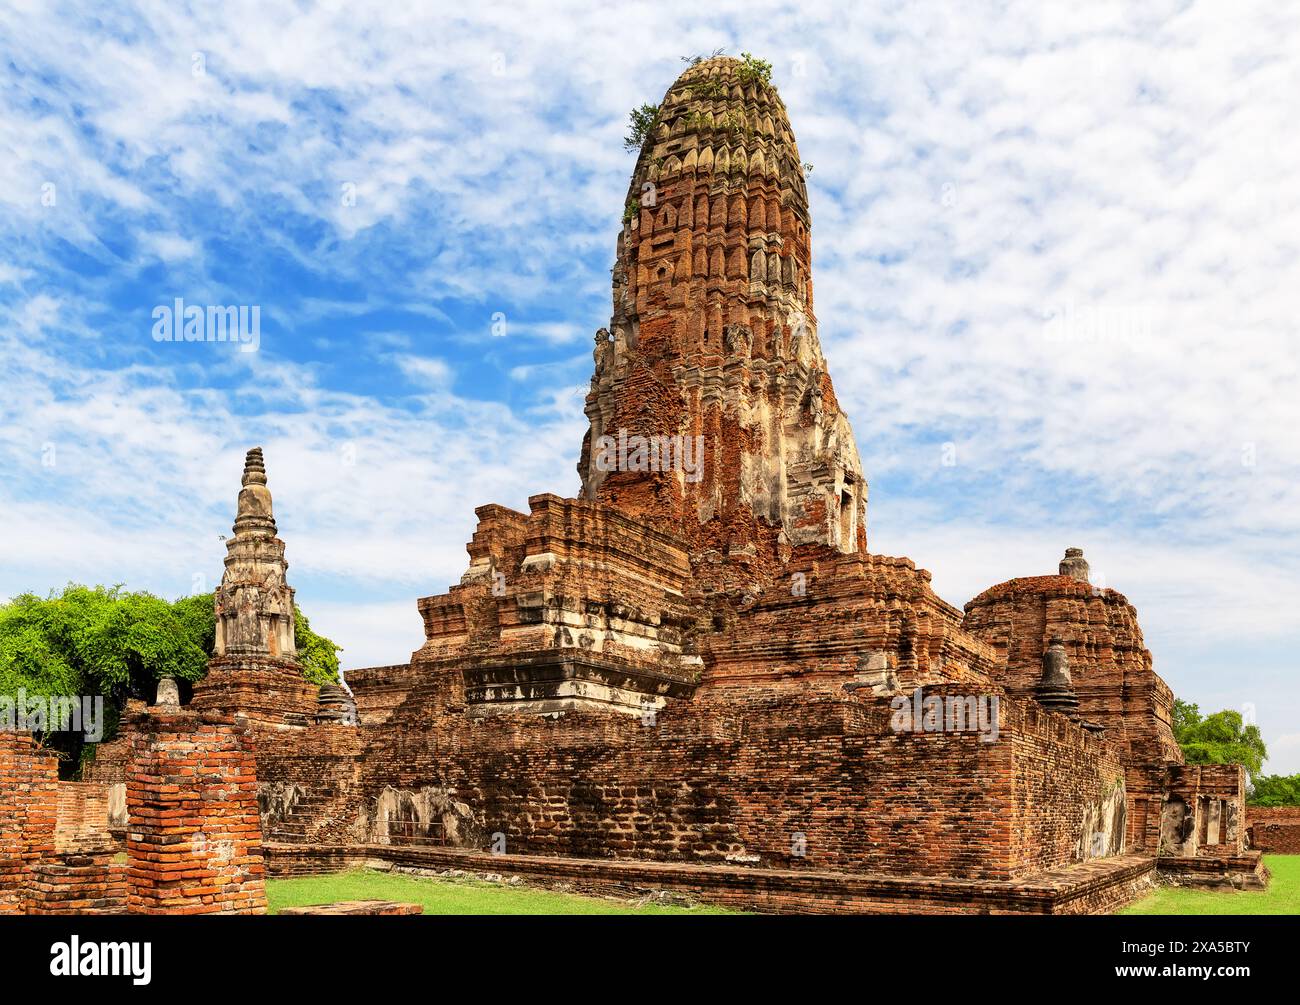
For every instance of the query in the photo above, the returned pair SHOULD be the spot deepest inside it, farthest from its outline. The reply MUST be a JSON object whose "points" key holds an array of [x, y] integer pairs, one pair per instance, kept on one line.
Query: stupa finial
{"points": [[254, 468]]}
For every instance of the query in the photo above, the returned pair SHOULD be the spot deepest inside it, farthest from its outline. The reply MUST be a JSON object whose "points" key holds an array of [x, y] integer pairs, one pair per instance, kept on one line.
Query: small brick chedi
{"points": [[695, 675]]}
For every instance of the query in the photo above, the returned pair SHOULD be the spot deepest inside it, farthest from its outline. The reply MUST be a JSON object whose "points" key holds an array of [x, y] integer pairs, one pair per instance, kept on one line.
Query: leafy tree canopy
{"points": [[1221, 738], [111, 642], [1275, 790]]}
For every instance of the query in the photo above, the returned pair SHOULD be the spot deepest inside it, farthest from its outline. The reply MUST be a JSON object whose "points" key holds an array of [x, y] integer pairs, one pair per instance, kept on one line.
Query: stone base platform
{"points": [[1237, 872], [356, 908], [1098, 886]]}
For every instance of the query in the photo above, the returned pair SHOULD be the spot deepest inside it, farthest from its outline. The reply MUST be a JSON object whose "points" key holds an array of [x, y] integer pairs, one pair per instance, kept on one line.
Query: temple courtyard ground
{"points": [[1281, 897], [465, 895], [471, 895]]}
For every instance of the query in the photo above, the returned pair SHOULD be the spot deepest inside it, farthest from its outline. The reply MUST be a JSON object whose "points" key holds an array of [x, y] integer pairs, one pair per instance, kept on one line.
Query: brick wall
{"points": [[1274, 828], [194, 839], [83, 817], [78, 883], [309, 782], [29, 780], [1204, 811], [788, 778]]}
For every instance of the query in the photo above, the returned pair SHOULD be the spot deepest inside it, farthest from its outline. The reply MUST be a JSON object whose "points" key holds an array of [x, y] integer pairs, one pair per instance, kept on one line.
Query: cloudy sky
{"points": [[1055, 252]]}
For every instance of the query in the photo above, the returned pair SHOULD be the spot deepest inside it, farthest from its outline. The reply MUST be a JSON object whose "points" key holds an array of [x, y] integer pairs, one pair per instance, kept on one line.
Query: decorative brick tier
{"points": [[1095, 887], [265, 688]]}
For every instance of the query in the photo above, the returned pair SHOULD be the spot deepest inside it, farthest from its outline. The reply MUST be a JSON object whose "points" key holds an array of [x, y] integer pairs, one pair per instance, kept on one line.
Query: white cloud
{"points": [[170, 247]]}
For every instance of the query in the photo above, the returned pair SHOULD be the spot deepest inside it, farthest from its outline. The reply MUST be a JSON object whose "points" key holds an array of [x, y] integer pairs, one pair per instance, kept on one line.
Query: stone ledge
{"points": [[1239, 872], [1093, 887], [355, 908]]}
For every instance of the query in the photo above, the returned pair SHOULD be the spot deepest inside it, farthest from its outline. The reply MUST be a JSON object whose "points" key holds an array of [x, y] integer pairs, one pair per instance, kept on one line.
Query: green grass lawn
{"points": [[453, 896], [1281, 897]]}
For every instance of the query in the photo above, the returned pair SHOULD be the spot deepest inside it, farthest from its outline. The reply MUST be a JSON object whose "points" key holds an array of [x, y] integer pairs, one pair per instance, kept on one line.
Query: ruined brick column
{"points": [[254, 667], [195, 839], [29, 780]]}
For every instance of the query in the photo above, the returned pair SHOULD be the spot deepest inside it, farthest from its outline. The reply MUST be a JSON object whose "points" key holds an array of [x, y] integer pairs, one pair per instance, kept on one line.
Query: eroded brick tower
{"points": [[714, 339], [254, 667]]}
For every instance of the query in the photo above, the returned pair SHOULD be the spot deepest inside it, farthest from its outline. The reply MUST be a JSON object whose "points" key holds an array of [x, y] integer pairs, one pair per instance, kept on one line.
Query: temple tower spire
{"points": [[712, 412], [254, 604], [254, 670]]}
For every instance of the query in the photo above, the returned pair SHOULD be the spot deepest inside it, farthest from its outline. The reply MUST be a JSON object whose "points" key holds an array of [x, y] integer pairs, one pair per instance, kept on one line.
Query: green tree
{"points": [[1221, 738], [118, 644], [1275, 790], [318, 655]]}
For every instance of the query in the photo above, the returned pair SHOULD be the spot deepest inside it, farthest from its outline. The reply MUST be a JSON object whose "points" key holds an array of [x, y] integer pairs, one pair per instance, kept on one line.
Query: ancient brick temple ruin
{"points": [[695, 675]]}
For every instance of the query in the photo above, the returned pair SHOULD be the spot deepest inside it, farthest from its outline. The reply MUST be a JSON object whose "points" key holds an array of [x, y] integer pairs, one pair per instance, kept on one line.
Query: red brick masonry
{"points": [[1274, 828], [195, 839]]}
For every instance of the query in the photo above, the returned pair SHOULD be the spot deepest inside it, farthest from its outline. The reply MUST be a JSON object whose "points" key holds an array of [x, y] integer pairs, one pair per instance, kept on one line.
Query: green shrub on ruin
{"points": [[640, 123], [117, 644], [754, 70]]}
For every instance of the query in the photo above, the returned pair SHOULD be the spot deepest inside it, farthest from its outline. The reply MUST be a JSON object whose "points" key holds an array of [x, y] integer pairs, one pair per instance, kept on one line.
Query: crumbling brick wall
{"points": [[792, 778], [1204, 813], [309, 782], [1274, 829], [1112, 670], [29, 780], [56, 854]]}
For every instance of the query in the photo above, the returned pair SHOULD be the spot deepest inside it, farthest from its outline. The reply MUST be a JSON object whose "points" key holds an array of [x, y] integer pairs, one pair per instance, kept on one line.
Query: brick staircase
{"points": [[299, 825]]}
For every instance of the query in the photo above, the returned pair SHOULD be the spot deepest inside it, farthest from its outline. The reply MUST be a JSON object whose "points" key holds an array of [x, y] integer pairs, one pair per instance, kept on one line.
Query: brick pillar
{"points": [[194, 839], [29, 780]]}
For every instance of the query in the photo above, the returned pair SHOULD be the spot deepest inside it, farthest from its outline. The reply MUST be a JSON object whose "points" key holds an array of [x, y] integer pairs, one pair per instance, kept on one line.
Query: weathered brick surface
{"points": [[356, 908], [1222, 871], [79, 883], [1274, 828], [309, 782], [194, 839], [264, 688], [29, 780], [83, 818], [791, 779], [713, 335], [1111, 667]]}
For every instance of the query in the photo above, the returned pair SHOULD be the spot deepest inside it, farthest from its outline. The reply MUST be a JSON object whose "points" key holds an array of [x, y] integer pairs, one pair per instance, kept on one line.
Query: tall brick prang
{"points": [[713, 337]]}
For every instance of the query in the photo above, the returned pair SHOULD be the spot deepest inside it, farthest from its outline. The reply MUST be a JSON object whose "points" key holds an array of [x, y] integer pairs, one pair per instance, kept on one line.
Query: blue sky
{"points": [[1058, 248]]}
